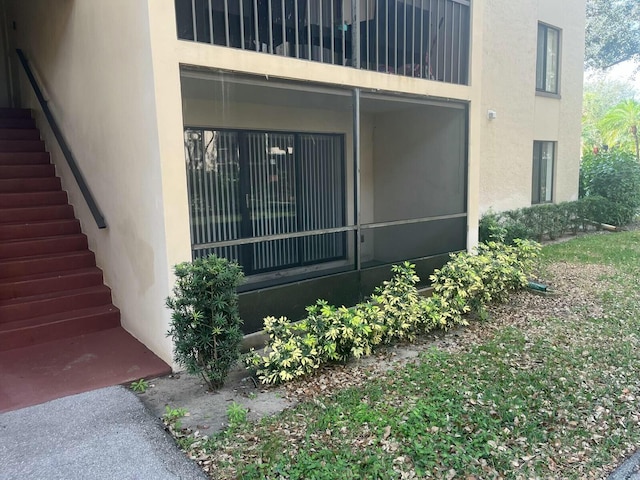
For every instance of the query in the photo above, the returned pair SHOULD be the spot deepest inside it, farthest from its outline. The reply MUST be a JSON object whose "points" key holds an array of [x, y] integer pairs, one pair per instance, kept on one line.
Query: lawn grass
{"points": [[619, 249], [557, 400]]}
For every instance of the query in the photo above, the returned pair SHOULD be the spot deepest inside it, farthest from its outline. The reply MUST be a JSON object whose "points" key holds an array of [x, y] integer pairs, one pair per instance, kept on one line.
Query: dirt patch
{"points": [[207, 411]]}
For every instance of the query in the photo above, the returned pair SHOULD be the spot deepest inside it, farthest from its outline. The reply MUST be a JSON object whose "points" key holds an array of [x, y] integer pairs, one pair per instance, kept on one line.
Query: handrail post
{"points": [[66, 151]]}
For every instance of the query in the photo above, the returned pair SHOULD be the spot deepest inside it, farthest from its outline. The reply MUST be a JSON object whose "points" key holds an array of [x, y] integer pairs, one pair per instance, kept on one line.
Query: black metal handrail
{"points": [[73, 165]]}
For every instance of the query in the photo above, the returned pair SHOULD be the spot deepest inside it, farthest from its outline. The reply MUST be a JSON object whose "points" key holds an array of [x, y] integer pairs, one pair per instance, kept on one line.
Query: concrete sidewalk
{"points": [[104, 434], [629, 470]]}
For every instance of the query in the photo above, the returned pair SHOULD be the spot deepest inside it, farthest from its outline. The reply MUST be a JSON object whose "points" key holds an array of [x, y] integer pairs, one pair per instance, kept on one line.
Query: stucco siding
{"points": [[509, 89]]}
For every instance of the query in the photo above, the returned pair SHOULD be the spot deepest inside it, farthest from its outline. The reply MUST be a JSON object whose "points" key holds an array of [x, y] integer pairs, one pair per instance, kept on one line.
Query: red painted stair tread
{"points": [[24, 158], [33, 199], [24, 185], [19, 134], [40, 228], [46, 263]]}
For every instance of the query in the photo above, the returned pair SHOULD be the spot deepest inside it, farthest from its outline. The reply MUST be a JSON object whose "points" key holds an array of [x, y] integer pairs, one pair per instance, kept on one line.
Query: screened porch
{"points": [[319, 190]]}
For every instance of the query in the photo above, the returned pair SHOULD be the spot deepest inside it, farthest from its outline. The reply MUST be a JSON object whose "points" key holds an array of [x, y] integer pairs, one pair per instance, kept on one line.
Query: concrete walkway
{"points": [[104, 434], [629, 470]]}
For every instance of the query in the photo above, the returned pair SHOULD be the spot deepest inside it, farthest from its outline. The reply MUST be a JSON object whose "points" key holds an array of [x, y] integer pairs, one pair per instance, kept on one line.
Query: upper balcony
{"points": [[416, 38]]}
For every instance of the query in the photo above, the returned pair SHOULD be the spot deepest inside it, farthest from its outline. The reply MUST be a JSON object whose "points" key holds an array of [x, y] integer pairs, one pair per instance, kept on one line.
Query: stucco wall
{"points": [[508, 87], [94, 62], [5, 76]]}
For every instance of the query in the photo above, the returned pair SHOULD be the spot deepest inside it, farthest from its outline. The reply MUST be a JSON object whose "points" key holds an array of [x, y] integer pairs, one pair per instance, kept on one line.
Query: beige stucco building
{"points": [[316, 142]]}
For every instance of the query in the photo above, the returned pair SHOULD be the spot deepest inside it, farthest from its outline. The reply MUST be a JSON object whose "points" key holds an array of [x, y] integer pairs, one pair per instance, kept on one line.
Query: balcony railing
{"points": [[415, 38]]}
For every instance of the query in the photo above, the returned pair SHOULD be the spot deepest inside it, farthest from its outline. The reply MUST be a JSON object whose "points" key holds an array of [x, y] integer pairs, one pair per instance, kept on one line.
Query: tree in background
{"points": [[620, 127], [612, 32], [600, 96]]}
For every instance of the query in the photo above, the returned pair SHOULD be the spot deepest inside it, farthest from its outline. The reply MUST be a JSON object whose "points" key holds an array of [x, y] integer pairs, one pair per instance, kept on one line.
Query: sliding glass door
{"points": [[247, 185]]}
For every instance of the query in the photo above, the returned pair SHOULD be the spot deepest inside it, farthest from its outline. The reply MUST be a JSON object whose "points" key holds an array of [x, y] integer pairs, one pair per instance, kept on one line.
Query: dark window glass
{"points": [[543, 165], [547, 59], [184, 19]]}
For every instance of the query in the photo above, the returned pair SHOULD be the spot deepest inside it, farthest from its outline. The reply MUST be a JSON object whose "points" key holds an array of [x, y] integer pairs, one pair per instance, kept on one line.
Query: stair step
{"points": [[55, 302], [50, 287], [37, 229], [21, 145], [20, 267], [49, 282], [17, 122], [33, 331], [39, 246], [22, 185], [24, 158], [19, 134], [15, 113], [33, 214], [27, 171], [33, 199]]}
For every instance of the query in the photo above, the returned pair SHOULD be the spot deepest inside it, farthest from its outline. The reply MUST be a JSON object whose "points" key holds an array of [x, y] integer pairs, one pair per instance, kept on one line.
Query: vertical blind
{"points": [[248, 184]]}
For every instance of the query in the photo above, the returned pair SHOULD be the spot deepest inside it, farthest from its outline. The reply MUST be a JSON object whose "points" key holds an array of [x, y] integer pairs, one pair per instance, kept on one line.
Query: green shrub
{"points": [[471, 282], [397, 304], [552, 220], [340, 333], [517, 229], [490, 228], [395, 312], [205, 323], [331, 334], [291, 355], [570, 217], [614, 176]]}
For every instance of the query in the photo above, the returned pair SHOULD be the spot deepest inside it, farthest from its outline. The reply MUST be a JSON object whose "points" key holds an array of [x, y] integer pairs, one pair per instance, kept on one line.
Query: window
{"points": [[543, 159], [247, 184], [547, 65]]}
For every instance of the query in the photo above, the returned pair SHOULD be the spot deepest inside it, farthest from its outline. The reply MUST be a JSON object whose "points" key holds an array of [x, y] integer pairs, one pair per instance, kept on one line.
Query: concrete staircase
{"points": [[50, 288]]}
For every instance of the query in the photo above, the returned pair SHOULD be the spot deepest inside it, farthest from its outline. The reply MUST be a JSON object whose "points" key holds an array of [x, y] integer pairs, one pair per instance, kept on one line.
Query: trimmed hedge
{"points": [[552, 220]]}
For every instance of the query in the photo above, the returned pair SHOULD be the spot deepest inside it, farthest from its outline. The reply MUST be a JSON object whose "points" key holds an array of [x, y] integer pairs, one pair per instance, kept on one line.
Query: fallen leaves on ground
{"points": [[577, 429]]}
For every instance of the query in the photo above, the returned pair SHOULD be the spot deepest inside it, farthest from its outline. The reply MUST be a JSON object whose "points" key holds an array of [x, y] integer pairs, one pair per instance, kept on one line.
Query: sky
{"points": [[628, 71]]}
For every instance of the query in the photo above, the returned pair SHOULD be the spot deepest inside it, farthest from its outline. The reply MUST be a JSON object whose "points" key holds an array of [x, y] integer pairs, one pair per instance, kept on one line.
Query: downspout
{"points": [[356, 171]]}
